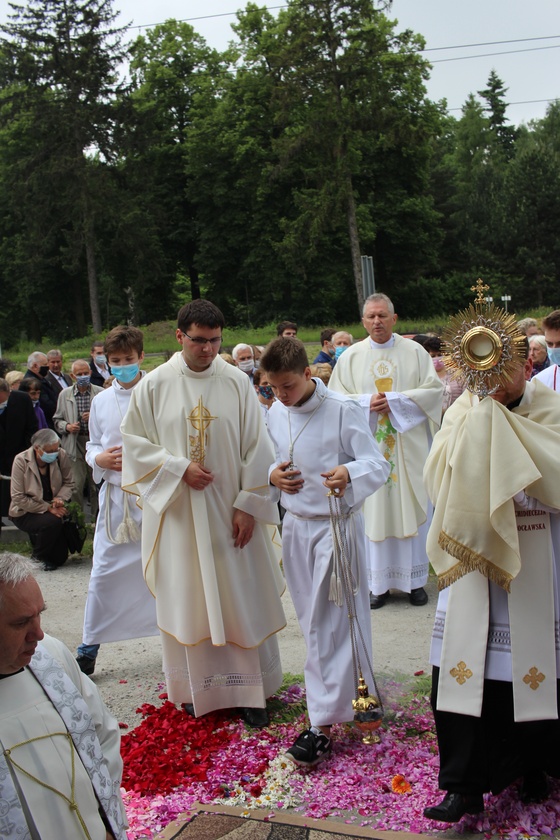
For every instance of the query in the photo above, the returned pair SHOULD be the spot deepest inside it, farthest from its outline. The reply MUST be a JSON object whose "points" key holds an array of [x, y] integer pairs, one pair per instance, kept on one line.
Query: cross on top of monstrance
{"points": [[480, 288]]}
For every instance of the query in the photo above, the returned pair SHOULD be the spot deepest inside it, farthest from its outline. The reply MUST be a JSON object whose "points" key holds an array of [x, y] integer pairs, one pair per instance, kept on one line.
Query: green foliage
{"points": [[255, 177]]}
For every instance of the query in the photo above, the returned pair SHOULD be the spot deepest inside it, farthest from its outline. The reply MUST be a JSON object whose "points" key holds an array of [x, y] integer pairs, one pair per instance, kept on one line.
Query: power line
{"points": [[426, 49], [491, 43], [521, 102], [488, 55]]}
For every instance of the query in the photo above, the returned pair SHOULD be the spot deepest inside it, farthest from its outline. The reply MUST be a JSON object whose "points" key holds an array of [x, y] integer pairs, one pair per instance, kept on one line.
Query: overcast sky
{"points": [[529, 68]]}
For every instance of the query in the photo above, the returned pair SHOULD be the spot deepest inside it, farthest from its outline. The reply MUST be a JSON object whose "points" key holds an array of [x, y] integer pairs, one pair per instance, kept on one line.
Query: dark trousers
{"points": [[490, 752], [46, 533]]}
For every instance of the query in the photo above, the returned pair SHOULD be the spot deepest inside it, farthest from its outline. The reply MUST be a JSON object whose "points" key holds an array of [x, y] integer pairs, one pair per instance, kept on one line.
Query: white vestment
{"points": [[27, 714], [327, 430], [218, 606], [484, 616], [550, 376], [397, 517], [119, 604]]}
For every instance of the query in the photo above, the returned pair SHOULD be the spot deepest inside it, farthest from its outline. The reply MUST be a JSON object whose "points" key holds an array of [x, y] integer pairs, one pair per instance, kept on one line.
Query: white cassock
{"points": [[119, 605], [26, 715], [218, 606], [550, 376], [397, 517], [327, 430]]}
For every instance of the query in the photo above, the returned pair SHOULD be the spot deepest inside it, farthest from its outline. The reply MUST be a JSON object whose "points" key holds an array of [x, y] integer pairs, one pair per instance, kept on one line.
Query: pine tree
{"points": [[60, 67]]}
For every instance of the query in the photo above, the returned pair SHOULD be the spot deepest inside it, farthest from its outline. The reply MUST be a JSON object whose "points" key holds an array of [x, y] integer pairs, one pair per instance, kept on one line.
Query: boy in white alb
{"points": [[119, 605], [322, 441]]}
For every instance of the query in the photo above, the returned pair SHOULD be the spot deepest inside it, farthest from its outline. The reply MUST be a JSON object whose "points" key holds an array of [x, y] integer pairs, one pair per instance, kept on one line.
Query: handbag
{"points": [[75, 534]]}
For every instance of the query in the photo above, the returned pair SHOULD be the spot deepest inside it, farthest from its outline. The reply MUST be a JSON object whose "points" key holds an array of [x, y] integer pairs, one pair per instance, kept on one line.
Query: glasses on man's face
{"points": [[200, 342]]}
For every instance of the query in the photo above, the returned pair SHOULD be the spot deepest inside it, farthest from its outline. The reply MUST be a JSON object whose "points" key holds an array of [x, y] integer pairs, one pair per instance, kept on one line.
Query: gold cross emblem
{"points": [[534, 678], [461, 673], [200, 418], [480, 288]]}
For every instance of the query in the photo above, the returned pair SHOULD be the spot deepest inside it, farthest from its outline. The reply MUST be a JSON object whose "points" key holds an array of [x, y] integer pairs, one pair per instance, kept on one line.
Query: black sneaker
{"points": [[309, 749], [86, 665]]}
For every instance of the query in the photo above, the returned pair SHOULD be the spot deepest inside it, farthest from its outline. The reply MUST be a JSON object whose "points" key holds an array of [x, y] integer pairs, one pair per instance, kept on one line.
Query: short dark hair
{"points": [[285, 355], [552, 320], [285, 325], [96, 344], [258, 374], [30, 383], [432, 344], [201, 312], [122, 338], [326, 335]]}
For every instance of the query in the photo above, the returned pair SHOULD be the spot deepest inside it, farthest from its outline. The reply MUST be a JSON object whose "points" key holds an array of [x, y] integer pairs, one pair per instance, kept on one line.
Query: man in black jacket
{"points": [[38, 368], [17, 423]]}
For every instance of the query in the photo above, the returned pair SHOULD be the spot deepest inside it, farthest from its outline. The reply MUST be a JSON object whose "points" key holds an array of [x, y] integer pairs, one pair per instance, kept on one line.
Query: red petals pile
{"points": [[170, 748]]}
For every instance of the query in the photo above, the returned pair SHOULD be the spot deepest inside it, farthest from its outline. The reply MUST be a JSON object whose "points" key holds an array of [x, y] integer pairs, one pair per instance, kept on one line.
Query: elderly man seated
{"points": [[60, 764]]}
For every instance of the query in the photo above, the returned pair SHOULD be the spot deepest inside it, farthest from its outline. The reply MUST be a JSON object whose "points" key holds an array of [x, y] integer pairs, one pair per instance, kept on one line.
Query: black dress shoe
{"points": [[86, 664], [257, 718], [454, 806], [189, 709], [418, 597], [378, 601], [534, 787]]}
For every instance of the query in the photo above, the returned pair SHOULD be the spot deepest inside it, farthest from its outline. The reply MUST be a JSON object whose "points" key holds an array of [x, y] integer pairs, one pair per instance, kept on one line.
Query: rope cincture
{"points": [[342, 565], [72, 804]]}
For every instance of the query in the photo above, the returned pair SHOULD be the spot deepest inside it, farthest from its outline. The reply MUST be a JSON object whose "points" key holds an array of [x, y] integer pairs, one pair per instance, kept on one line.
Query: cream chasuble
{"points": [[216, 604], [47, 699], [483, 457], [398, 508]]}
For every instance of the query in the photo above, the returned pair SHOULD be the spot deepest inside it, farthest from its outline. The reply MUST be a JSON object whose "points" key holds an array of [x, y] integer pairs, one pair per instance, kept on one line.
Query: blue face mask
{"points": [[125, 373], [83, 380], [266, 392], [48, 457], [554, 355], [339, 351], [101, 359]]}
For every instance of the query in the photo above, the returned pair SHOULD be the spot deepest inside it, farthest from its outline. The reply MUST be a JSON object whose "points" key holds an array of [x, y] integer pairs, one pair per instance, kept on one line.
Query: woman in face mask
{"points": [[264, 392], [452, 388], [42, 484]]}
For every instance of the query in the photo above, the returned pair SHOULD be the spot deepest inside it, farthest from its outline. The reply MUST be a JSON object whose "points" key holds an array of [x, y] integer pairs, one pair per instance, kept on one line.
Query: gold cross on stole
{"points": [[200, 417]]}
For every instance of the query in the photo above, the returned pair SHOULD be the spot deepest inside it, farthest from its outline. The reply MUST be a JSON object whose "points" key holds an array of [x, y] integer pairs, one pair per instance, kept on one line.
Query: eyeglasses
{"points": [[202, 341]]}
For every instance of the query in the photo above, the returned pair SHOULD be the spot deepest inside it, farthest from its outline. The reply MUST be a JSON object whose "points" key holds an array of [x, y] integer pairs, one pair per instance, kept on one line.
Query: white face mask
{"points": [[246, 367]]}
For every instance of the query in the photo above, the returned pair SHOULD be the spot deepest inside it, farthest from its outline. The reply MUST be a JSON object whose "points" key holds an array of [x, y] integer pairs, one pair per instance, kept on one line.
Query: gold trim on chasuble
{"points": [[383, 373], [200, 418]]}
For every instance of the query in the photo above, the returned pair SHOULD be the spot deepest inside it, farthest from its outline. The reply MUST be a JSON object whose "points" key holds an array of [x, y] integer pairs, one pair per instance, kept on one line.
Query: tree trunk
{"points": [[89, 241], [354, 243]]}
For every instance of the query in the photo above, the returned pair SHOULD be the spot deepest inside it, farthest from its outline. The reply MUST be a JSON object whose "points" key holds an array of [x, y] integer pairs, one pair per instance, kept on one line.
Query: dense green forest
{"points": [[135, 175]]}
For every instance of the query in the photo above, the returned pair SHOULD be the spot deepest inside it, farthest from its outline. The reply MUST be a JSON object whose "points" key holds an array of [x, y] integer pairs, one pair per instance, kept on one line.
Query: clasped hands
{"points": [[57, 508], [290, 481], [379, 403]]}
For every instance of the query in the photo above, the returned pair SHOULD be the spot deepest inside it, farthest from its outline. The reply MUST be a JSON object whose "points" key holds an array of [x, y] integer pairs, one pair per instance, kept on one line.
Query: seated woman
{"points": [[41, 484]]}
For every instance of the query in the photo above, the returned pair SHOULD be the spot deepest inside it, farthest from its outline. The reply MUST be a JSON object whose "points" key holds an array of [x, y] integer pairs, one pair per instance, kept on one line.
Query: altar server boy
{"points": [[322, 444]]}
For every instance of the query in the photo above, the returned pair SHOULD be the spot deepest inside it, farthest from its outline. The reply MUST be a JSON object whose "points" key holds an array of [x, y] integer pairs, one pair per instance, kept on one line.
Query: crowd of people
{"points": [[192, 470]]}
